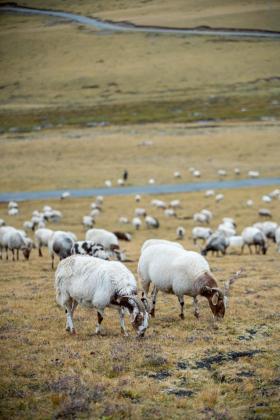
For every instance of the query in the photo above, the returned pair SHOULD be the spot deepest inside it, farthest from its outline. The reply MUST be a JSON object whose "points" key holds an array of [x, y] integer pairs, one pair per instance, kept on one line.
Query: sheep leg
{"points": [[7, 253], [17, 254], [52, 257], [181, 301], [154, 299], [69, 319], [123, 330], [196, 307], [13, 252], [250, 249], [40, 252], [100, 317]]}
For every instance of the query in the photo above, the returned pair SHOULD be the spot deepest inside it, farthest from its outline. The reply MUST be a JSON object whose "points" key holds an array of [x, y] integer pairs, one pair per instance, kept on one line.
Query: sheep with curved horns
{"points": [[108, 240], [97, 283], [180, 272]]}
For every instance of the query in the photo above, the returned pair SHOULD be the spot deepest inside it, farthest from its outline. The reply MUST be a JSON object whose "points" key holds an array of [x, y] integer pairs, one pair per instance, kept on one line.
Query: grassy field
{"points": [[48, 374], [58, 73], [75, 104]]}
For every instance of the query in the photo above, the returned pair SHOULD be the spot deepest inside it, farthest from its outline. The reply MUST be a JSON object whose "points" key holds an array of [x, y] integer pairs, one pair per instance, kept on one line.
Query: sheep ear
{"points": [[145, 302], [215, 298]]}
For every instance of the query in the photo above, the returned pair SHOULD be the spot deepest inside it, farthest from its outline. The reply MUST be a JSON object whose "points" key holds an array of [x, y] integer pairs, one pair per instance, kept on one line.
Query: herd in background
{"points": [[91, 271], [61, 243]]}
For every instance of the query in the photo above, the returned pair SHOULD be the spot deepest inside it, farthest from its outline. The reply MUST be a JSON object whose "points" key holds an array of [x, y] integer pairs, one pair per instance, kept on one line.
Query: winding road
{"points": [[144, 189], [130, 27]]}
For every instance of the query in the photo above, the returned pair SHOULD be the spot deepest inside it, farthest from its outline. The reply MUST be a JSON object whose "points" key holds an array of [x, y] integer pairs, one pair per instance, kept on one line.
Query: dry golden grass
{"points": [[57, 72], [46, 373], [56, 159]]}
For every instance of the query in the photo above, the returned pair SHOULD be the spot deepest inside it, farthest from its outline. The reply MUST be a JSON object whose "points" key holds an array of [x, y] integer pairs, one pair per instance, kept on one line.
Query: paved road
{"points": [[144, 189], [129, 27]]}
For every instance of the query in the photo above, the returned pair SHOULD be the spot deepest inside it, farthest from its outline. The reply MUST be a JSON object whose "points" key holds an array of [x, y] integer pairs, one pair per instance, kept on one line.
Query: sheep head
{"points": [[216, 300], [138, 313]]}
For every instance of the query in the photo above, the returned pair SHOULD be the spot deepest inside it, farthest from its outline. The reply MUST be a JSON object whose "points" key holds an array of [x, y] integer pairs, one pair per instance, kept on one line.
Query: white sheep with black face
{"points": [[174, 270], [96, 283]]}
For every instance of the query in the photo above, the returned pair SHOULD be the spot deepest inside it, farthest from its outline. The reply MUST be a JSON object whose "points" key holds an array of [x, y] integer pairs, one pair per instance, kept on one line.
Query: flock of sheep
{"points": [[92, 273]]}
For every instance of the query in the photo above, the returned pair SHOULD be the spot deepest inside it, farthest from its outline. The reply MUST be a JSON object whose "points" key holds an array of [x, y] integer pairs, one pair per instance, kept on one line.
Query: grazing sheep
{"points": [[266, 199], [219, 197], [97, 283], [2, 222], [138, 198], [151, 181], [13, 211], [152, 242], [208, 214], [123, 220], [268, 228], [140, 212], [249, 203], [60, 243], [209, 193], [88, 222], [42, 237], [159, 204], [253, 174], [108, 240], [264, 213], [196, 174], [3, 231], [177, 174], [136, 221], [180, 232], [200, 218], [89, 248], [152, 222], [221, 172], [237, 171], [236, 242], [201, 233], [108, 183], [99, 200], [170, 213], [65, 194], [14, 240], [217, 242], [254, 236], [174, 270], [175, 204], [12, 205], [53, 216], [95, 213], [120, 182], [275, 194], [227, 229]]}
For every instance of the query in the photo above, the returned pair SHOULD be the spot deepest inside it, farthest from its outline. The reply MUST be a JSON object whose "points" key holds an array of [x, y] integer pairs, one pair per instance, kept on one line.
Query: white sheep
{"points": [[180, 232], [12, 205], [99, 200], [254, 236], [13, 211], [60, 243], [97, 283], [249, 203], [108, 183], [95, 213], [266, 199], [3, 231], [253, 174], [264, 212], [170, 213], [109, 241], [209, 193], [177, 174], [221, 172], [88, 222], [151, 181], [120, 182], [14, 240], [65, 194], [140, 212], [199, 232], [159, 204], [196, 174], [219, 197], [138, 198], [236, 243], [180, 272], [152, 222], [123, 220], [237, 171], [268, 228], [175, 204], [136, 222], [208, 214], [42, 237], [2, 222], [200, 218]]}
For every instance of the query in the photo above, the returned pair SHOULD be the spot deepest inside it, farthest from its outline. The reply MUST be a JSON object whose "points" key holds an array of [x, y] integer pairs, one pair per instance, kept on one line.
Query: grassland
{"points": [[59, 83], [48, 374]]}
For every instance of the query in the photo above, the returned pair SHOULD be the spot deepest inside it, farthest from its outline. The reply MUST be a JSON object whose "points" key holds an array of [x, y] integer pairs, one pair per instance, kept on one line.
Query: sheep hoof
{"points": [[73, 332], [182, 316]]}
